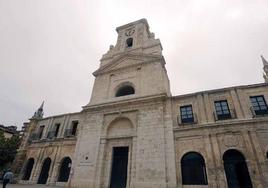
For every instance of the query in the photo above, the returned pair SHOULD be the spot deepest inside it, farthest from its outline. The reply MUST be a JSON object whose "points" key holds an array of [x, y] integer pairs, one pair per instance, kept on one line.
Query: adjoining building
{"points": [[9, 131], [133, 133]]}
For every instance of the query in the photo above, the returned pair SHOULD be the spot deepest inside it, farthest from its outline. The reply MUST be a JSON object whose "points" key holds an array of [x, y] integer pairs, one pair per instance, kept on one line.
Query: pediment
{"points": [[127, 60]]}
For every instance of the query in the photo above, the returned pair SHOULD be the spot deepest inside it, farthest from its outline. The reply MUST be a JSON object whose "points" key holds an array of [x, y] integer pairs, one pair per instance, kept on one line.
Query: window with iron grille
{"points": [[187, 115], [41, 130], [259, 105], [222, 110], [74, 128], [56, 128]]}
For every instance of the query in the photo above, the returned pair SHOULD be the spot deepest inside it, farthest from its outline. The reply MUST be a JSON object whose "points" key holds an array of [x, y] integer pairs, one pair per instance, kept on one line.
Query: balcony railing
{"points": [[51, 135], [258, 113], [184, 121], [68, 133], [224, 116], [33, 137]]}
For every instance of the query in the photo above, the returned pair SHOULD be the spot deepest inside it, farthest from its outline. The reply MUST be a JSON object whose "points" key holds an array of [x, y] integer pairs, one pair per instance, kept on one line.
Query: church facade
{"points": [[134, 134]]}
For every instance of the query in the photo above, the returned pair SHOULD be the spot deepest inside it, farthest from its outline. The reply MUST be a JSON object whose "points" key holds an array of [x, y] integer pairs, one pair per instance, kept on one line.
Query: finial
{"points": [[39, 113], [264, 61]]}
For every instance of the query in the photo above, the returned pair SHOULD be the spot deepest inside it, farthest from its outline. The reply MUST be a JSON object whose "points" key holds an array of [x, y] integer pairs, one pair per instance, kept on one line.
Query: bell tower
{"points": [[133, 68]]}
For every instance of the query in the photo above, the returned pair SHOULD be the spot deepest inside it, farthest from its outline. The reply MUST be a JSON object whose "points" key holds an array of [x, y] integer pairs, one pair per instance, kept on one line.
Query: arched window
{"points": [[65, 169], [125, 90], [193, 169], [236, 170], [44, 171], [129, 42], [28, 169]]}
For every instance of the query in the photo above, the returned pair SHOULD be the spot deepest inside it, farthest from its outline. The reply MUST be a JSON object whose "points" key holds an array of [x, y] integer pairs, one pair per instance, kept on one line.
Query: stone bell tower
{"points": [[134, 66]]}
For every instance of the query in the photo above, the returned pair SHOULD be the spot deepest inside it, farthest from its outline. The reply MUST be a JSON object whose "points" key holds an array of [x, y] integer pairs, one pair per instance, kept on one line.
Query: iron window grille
{"points": [[222, 110], [259, 106], [186, 115]]}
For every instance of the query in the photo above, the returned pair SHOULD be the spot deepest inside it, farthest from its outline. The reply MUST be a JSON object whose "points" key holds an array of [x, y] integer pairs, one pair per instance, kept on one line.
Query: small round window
{"points": [[129, 42], [125, 90]]}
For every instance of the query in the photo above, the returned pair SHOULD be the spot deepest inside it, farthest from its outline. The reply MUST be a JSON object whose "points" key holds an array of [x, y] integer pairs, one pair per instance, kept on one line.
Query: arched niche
{"points": [[121, 126]]}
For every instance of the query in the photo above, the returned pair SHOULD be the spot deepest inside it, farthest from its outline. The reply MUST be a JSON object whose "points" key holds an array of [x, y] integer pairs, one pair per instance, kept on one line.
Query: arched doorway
{"points": [[236, 170], [44, 171], [118, 155], [28, 169], [65, 169], [193, 169]]}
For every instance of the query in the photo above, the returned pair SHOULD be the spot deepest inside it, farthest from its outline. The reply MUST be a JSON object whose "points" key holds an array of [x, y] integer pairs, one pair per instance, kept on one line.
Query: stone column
{"points": [[251, 161], [133, 162], [99, 166], [54, 167], [209, 110], [37, 167], [237, 106], [219, 170], [210, 162], [261, 161]]}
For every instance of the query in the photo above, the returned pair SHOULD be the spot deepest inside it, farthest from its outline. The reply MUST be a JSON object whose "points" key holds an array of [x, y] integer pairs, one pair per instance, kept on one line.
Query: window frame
{"points": [[222, 112], [74, 126], [189, 117], [41, 131], [259, 111], [56, 130]]}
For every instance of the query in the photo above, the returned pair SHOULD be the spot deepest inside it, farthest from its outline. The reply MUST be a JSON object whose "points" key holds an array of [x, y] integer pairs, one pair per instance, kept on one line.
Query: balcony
{"points": [[185, 121], [219, 115], [257, 112], [69, 133], [33, 137], [51, 135]]}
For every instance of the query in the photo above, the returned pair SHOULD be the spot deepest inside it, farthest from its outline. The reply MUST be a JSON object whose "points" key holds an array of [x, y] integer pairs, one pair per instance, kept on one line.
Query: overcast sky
{"points": [[49, 48]]}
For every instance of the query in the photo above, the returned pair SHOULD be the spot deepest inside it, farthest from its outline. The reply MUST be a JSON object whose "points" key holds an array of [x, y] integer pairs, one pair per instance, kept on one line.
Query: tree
{"points": [[8, 149]]}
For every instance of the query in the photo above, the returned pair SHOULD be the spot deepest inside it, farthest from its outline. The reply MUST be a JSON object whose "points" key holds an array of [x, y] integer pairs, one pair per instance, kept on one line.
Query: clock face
{"points": [[129, 32]]}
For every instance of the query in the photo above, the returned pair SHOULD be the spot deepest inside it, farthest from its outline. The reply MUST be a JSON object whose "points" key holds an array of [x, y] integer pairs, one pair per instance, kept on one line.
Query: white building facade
{"points": [[134, 133]]}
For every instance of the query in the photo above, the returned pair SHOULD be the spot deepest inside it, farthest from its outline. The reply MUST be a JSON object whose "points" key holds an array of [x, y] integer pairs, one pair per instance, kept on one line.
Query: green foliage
{"points": [[8, 149]]}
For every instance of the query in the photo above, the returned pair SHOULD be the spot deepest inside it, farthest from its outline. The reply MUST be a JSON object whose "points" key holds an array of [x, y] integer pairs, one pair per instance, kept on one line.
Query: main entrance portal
{"points": [[119, 167]]}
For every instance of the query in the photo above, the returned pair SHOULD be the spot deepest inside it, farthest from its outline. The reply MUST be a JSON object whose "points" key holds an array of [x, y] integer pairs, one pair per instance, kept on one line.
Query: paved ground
{"points": [[27, 186]]}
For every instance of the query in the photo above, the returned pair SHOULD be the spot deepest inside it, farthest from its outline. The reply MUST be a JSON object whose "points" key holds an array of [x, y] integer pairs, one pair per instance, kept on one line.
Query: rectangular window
{"points": [[259, 105], [74, 128], [222, 110], [187, 114], [41, 130], [57, 128]]}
